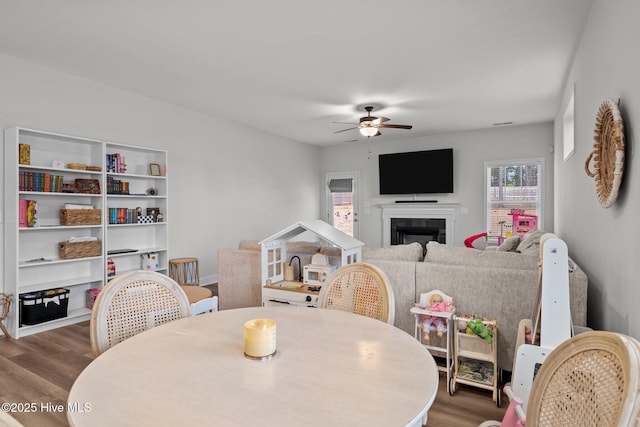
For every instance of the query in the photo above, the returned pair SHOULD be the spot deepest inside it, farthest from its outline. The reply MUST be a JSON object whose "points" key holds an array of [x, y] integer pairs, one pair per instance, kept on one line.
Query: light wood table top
{"points": [[332, 368]]}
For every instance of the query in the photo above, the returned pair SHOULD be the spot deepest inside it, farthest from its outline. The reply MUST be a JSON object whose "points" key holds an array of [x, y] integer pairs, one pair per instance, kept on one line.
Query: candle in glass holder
{"points": [[259, 338]]}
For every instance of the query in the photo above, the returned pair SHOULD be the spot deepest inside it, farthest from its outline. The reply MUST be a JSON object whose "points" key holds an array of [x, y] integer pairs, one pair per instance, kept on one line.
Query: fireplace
{"points": [[421, 230], [417, 222]]}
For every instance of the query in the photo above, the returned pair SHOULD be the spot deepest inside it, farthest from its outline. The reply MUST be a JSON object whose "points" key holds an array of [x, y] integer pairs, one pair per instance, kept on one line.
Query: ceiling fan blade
{"points": [[344, 130], [345, 123], [382, 125], [383, 119]]}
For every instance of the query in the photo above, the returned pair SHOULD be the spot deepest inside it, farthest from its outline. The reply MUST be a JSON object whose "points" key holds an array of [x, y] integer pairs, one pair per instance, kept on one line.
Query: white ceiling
{"points": [[292, 67]]}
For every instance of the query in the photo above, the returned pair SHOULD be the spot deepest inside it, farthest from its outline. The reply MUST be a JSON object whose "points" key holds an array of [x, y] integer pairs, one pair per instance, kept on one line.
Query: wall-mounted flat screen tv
{"points": [[416, 172]]}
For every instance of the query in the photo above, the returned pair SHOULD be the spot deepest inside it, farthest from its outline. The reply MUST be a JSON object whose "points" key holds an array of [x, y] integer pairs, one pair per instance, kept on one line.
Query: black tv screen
{"points": [[417, 172]]}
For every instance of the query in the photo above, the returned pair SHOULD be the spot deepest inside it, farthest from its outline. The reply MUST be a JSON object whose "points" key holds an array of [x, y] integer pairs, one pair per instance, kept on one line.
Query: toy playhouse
{"points": [[522, 223]]}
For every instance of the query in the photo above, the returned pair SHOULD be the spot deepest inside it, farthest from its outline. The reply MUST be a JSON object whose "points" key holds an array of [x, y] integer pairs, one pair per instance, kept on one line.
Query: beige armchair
{"points": [[239, 276]]}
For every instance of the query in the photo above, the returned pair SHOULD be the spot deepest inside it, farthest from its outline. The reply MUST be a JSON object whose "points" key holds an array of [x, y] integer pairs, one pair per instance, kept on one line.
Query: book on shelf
{"points": [[22, 213], [24, 158], [32, 213], [116, 163], [123, 216], [116, 186], [39, 181], [68, 188]]}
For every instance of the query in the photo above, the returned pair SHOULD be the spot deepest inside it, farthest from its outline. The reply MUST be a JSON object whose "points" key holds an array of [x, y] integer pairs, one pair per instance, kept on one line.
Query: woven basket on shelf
{"points": [[80, 216], [94, 168], [69, 250], [77, 166]]}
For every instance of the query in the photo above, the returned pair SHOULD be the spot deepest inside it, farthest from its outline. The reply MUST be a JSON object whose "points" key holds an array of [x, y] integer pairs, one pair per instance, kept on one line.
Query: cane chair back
{"points": [[592, 379], [132, 303], [360, 288]]}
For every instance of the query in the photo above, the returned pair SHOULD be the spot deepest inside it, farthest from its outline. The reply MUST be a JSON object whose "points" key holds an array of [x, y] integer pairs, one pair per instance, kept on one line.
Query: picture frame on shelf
{"points": [[154, 169], [153, 213]]}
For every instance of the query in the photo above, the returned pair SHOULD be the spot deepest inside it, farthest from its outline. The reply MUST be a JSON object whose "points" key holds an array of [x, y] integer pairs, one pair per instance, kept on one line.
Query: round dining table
{"points": [[331, 368]]}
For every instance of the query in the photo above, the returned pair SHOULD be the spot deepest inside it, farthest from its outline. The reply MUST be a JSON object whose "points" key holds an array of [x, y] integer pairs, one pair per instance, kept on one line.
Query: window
{"points": [[513, 184], [342, 203], [568, 140]]}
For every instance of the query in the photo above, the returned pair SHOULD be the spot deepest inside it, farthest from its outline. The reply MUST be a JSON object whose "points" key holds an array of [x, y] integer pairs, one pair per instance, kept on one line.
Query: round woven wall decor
{"points": [[608, 153]]}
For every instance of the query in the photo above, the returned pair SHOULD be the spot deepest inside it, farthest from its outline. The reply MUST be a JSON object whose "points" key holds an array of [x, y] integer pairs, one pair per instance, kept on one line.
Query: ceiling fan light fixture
{"points": [[368, 131], [369, 125]]}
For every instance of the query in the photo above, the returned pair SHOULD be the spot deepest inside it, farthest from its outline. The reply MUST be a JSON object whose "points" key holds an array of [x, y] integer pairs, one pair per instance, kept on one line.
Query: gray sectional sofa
{"points": [[499, 285]]}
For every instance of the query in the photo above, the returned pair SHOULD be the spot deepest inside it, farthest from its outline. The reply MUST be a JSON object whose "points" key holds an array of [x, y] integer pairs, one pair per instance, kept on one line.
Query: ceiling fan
{"points": [[370, 125]]}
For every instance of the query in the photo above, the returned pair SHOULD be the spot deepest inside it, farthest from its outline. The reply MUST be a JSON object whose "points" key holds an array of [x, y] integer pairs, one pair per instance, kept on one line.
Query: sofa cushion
{"points": [[410, 252], [459, 255], [402, 278], [530, 243], [510, 244]]}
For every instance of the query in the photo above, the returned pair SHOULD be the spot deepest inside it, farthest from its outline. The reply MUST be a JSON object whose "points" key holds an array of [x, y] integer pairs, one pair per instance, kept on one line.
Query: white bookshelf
{"points": [[22, 245]]}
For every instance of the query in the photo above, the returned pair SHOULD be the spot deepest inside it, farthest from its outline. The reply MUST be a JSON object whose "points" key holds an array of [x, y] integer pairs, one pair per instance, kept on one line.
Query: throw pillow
{"points": [[529, 240], [510, 244]]}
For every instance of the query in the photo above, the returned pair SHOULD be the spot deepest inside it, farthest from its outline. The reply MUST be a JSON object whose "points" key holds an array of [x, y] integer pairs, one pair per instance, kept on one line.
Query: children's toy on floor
{"points": [[435, 303], [434, 314], [477, 326], [475, 354], [523, 223]]}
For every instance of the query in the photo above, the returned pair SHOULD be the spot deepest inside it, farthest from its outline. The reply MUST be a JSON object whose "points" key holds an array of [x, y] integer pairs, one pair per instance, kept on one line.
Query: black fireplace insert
{"points": [[421, 230]]}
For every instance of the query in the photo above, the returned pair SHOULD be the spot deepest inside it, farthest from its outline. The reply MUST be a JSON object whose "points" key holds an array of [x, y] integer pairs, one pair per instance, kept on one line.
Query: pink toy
{"points": [[435, 322], [523, 223]]}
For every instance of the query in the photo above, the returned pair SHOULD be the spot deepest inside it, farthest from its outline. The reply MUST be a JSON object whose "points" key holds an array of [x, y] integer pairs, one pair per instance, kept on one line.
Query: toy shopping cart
{"points": [[475, 359]]}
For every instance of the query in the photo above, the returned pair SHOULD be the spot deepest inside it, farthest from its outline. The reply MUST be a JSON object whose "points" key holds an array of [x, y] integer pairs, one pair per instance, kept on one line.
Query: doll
{"points": [[430, 322]]}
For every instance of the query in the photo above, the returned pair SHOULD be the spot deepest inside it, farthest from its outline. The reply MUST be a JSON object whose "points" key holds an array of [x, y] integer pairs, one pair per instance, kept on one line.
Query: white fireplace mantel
{"points": [[444, 211]]}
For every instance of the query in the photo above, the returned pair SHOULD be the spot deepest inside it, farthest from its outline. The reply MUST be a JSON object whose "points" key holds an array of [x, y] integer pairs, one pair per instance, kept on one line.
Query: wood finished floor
{"points": [[41, 369]]}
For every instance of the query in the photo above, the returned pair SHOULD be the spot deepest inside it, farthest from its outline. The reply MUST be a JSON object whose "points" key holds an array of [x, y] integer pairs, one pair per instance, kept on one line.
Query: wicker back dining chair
{"points": [[592, 379], [360, 288], [132, 303]]}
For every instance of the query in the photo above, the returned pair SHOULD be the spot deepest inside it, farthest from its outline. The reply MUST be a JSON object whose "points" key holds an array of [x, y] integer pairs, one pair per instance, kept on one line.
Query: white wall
{"points": [[471, 150], [604, 241], [227, 182]]}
